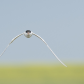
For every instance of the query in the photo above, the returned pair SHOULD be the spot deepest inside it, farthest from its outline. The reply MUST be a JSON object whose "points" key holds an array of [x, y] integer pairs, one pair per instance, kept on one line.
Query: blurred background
{"points": [[28, 60]]}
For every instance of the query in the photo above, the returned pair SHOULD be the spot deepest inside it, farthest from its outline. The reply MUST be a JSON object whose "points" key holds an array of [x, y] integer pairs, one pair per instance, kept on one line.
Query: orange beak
{"points": [[28, 33]]}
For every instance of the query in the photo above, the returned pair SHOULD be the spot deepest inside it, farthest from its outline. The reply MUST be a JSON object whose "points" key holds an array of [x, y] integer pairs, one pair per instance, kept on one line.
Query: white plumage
{"points": [[28, 34]]}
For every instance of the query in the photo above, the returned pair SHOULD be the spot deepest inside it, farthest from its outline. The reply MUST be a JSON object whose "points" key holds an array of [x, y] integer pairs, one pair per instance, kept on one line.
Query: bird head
{"points": [[28, 33]]}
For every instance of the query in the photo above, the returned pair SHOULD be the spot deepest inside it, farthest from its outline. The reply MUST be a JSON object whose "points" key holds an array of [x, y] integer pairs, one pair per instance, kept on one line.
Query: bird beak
{"points": [[28, 33]]}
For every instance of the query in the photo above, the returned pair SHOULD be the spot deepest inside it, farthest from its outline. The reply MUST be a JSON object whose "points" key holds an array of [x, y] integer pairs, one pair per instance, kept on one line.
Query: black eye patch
{"points": [[28, 31]]}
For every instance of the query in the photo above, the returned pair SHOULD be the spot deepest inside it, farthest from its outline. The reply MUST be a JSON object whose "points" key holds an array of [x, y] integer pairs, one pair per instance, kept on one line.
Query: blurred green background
{"points": [[60, 23], [42, 74]]}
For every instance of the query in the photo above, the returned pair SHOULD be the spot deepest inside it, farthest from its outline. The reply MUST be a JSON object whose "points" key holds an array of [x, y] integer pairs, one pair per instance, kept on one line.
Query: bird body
{"points": [[28, 34]]}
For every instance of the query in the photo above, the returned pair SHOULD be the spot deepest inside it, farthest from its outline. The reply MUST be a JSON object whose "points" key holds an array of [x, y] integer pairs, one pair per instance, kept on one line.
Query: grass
{"points": [[41, 74]]}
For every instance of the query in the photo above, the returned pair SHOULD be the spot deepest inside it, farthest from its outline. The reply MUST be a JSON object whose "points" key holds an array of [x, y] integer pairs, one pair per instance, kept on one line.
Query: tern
{"points": [[28, 34]]}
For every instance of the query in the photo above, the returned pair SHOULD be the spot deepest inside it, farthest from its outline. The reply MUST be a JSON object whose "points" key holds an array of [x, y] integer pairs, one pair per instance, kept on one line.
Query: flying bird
{"points": [[28, 34]]}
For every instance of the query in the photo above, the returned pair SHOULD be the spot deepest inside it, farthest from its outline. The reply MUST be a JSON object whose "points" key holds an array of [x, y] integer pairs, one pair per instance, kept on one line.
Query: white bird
{"points": [[28, 34]]}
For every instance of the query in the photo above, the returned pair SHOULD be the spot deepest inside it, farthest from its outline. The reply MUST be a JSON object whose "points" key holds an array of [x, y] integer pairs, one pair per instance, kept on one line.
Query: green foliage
{"points": [[42, 75]]}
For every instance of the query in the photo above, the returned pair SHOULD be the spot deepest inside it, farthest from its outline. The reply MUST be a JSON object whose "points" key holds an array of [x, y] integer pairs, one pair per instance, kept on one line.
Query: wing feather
{"points": [[11, 42], [49, 48]]}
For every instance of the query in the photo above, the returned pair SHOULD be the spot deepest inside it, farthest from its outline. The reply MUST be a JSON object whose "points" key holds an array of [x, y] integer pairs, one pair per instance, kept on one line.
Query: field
{"points": [[40, 74]]}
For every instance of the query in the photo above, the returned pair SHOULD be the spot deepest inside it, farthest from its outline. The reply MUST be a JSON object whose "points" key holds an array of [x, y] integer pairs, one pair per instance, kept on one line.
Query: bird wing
{"points": [[11, 42], [49, 48]]}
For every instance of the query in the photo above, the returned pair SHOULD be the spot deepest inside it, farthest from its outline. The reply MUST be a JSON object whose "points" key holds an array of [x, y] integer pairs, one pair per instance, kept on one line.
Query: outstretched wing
{"points": [[49, 48], [11, 42]]}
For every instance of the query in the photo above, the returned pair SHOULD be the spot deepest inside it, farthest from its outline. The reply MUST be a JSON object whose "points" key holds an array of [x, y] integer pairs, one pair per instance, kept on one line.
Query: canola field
{"points": [[41, 74]]}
